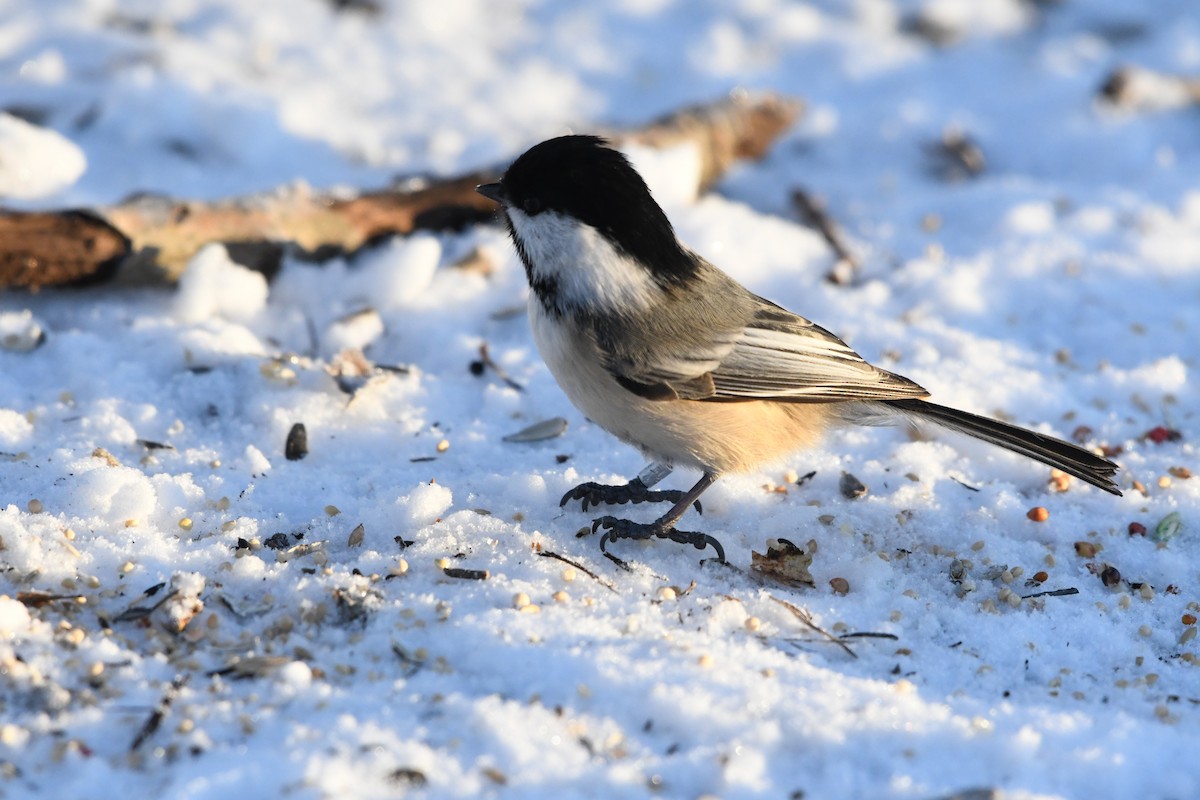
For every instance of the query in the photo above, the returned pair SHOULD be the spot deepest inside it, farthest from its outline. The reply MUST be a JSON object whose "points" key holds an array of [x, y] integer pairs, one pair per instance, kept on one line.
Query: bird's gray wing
{"points": [[758, 351]]}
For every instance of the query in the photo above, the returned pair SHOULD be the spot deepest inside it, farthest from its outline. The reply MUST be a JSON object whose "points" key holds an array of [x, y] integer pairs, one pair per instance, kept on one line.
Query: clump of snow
{"points": [[214, 285], [34, 161], [425, 503]]}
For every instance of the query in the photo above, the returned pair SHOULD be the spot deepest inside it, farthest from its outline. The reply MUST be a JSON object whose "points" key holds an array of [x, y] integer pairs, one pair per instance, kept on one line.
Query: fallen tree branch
{"points": [[150, 240]]}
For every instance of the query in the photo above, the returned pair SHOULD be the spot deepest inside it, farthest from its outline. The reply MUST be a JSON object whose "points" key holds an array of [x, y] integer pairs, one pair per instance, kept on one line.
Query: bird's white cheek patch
{"points": [[584, 265]]}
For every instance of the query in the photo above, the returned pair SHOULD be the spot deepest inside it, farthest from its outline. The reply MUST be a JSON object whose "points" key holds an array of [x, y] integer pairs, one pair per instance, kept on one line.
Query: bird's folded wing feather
{"points": [[775, 355]]}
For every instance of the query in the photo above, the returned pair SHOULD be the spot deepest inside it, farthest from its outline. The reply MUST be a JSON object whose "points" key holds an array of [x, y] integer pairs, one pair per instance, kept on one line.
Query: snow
{"points": [[290, 623]]}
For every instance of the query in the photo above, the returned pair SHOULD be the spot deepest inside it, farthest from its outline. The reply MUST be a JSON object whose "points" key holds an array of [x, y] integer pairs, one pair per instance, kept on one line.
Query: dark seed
{"points": [[1110, 576], [277, 541], [851, 487], [297, 443]]}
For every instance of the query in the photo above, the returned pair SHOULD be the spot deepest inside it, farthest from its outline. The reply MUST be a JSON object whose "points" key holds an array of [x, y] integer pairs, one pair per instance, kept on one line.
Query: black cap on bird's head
{"points": [[585, 179]]}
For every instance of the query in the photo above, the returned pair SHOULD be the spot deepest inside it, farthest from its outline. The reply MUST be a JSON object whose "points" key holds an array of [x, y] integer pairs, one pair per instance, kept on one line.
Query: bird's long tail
{"points": [[1069, 458]]}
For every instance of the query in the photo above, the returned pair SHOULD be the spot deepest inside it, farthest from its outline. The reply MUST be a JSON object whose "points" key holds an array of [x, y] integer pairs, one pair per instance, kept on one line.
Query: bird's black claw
{"points": [[593, 494], [625, 529]]}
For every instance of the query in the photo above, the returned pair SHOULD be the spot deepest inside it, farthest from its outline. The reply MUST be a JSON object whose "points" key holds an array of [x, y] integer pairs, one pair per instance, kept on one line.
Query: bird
{"points": [[668, 353]]}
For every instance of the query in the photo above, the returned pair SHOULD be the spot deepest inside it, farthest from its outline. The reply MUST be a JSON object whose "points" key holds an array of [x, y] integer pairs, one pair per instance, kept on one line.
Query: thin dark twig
{"points": [[804, 617], [486, 358], [160, 711], [1052, 593], [606, 584], [870, 635], [812, 211]]}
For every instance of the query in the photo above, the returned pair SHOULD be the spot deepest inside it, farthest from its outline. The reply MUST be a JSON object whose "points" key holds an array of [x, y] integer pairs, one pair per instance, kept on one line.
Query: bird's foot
{"points": [[593, 494], [625, 529]]}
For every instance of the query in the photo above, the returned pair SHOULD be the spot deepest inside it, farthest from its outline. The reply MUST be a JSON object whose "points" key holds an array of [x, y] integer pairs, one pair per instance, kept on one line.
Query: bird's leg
{"points": [[636, 491], [664, 526]]}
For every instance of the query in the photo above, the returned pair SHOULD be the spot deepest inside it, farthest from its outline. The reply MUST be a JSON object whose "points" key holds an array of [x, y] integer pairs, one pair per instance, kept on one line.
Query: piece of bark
{"points": [[151, 239], [58, 247]]}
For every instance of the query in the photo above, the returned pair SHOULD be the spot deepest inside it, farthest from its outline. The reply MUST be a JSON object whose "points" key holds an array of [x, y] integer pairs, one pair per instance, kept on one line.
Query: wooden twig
{"points": [[551, 554], [804, 617], [812, 212], [150, 240]]}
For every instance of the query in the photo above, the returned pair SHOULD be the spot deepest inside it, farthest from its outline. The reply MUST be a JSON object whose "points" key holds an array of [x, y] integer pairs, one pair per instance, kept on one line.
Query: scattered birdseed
{"points": [[356, 536], [185, 523], [296, 446], [443, 445], [1188, 619], [705, 661], [1169, 527], [1110, 576], [520, 600], [539, 431], [977, 546], [1038, 514], [1085, 549], [840, 586], [851, 487], [1137, 529], [128, 567], [561, 597], [532, 608], [666, 593], [35, 506], [753, 623], [1146, 591], [568, 574], [332, 511]]}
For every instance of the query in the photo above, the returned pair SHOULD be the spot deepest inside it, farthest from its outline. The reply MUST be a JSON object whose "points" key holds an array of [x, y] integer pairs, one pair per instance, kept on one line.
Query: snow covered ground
{"points": [[236, 623]]}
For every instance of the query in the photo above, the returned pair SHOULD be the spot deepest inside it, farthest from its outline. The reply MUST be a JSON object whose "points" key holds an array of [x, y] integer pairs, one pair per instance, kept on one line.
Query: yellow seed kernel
{"points": [[128, 567], [1146, 591], [400, 567], [1164, 482], [532, 608], [186, 523], [753, 623], [705, 661], [443, 445], [561, 596], [442, 562], [979, 545], [520, 600], [568, 574], [70, 534], [666, 593], [332, 510]]}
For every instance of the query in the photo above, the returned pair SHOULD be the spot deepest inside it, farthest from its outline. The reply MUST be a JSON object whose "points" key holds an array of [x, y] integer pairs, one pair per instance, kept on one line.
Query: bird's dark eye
{"points": [[532, 205]]}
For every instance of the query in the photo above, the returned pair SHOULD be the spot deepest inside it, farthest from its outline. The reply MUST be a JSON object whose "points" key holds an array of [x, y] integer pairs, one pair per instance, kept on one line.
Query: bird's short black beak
{"points": [[492, 191]]}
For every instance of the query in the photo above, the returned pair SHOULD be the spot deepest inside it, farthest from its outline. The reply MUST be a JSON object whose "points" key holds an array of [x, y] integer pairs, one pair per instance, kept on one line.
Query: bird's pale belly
{"points": [[713, 437]]}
